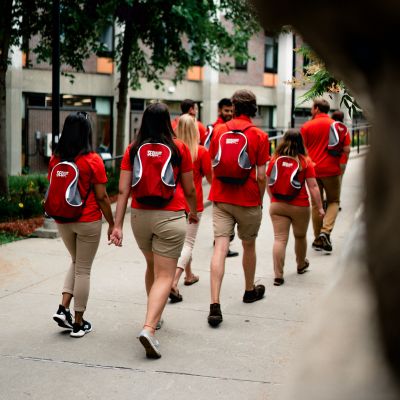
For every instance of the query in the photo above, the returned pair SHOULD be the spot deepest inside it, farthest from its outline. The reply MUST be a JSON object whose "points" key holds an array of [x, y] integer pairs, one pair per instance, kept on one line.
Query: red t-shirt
{"points": [[91, 171], [201, 167], [316, 138], [248, 194], [178, 202], [218, 122], [200, 126], [307, 171]]}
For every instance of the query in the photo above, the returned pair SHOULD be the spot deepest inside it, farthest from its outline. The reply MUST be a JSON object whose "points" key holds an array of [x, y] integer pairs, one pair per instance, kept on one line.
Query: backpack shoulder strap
{"points": [[243, 129], [91, 175]]}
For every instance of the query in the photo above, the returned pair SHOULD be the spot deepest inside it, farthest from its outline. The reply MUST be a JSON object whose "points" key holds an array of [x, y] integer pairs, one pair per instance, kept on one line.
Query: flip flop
{"points": [[189, 282], [175, 297], [279, 281], [304, 268]]}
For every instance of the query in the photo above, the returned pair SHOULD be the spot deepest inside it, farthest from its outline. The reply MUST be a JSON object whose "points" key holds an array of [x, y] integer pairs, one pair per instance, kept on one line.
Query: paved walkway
{"points": [[248, 356]]}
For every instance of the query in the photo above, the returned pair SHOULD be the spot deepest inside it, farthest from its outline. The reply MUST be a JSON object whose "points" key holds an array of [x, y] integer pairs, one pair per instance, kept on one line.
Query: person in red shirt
{"points": [[190, 107], [339, 116], [187, 132], [81, 237], [159, 229], [293, 210], [225, 111], [327, 169], [225, 114], [238, 204]]}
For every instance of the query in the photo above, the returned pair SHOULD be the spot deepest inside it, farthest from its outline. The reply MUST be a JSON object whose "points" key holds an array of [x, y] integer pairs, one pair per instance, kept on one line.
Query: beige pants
{"points": [[331, 187], [283, 215], [248, 220], [82, 240], [158, 231]]}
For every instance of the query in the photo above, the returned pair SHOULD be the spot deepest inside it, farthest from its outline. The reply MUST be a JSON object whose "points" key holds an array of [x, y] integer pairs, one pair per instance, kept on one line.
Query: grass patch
{"points": [[8, 237]]}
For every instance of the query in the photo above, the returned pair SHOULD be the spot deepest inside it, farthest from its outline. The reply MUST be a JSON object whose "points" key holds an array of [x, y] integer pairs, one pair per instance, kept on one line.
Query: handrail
{"points": [[354, 130]]}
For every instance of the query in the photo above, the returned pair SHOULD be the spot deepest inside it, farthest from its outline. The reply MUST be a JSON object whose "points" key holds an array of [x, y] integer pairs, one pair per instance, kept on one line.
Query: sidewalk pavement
{"points": [[248, 356]]}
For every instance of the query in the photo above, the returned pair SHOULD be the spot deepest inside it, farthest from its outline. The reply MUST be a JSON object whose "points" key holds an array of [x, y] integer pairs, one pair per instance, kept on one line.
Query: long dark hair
{"points": [[292, 144], [76, 137], [156, 128]]}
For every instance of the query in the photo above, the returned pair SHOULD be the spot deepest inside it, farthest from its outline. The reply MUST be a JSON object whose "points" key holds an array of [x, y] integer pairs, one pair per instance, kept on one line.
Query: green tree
{"points": [[20, 20], [157, 34], [152, 35]]}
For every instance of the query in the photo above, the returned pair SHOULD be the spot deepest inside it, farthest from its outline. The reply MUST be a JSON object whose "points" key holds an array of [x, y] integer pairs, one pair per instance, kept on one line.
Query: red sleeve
{"points": [[202, 132], [99, 171], [126, 160], [205, 161], [263, 150], [310, 171], [186, 163]]}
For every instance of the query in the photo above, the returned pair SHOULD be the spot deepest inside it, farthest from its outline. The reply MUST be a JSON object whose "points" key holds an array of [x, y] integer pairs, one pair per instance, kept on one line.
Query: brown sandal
{"points": [[304, 268], [188, 282], [175, 297]]}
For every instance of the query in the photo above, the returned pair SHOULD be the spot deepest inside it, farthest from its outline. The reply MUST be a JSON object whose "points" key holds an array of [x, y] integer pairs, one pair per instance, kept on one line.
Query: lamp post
{"points": [[55, 74]]}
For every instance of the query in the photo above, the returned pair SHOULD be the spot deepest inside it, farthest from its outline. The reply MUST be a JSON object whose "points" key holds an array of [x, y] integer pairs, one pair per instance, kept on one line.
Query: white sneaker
{"points": [[81, 330], [150, 343], [63, 317]]}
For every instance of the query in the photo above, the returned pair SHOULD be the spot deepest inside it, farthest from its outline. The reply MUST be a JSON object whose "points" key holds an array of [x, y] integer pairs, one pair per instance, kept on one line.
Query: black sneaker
{"points": [[317, 244], [215, 316], [63, 317], [81, 330], [326, 242], [250, 296], [232, 253]]}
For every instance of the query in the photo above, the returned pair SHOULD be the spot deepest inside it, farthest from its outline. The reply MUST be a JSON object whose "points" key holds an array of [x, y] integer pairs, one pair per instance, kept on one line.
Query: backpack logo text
{"points": [[152, 153]]}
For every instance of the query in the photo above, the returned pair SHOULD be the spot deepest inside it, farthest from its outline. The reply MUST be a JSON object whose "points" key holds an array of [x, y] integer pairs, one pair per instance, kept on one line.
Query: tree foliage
{"points": [[151, 36], [321, 81]]}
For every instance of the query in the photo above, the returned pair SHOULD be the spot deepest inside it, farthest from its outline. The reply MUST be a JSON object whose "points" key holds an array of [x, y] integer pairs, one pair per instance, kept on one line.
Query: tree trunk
{"points": [[123, 87], [3, 136], [5, 36]]}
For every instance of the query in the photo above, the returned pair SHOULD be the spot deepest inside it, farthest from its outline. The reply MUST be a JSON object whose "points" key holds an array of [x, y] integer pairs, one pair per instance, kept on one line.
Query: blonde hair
{"points": [[188, 132]]}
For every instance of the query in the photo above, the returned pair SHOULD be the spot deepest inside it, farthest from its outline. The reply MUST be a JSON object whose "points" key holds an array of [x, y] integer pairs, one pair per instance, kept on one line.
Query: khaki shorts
{"points": [[160, 232], [248, 220]]}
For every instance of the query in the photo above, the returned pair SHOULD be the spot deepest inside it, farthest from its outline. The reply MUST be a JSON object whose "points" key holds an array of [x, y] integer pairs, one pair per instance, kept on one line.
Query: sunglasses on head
{"points": [[84, 113]]}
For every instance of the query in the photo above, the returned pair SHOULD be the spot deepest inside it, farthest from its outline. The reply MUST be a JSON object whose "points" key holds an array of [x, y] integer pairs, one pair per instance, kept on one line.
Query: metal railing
{"points": [[359, 137]]}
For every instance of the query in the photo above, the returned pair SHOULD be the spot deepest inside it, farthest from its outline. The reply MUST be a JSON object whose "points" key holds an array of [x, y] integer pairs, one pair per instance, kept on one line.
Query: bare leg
{"points": [[218, 267], [178, 274], [164, 272], [249, 262]]}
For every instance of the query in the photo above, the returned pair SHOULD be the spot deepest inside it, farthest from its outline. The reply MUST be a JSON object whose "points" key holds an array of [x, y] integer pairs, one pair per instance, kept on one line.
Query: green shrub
{"points": [[25, 199]]}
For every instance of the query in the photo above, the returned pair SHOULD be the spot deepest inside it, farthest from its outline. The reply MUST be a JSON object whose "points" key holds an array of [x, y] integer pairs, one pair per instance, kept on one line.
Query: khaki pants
{"points": [[283, 215], [331, 187], [82, 241]]}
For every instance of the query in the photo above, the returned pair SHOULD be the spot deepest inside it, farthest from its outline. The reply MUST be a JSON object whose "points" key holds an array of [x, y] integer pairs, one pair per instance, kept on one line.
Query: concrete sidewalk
{"points": [[248, 356]]}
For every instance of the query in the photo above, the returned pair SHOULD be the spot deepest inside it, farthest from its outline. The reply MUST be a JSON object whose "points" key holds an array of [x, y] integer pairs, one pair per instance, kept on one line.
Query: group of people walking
{"points": [[162, 171]]}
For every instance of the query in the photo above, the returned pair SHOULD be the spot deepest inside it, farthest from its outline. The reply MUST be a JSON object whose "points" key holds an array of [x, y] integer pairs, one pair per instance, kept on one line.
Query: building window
{"points": [[271, 55], [107, 42], [240, 63]]}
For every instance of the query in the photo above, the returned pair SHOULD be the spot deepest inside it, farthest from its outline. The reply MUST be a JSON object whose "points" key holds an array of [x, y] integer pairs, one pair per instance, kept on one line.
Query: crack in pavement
{"points": [[122, 368]]}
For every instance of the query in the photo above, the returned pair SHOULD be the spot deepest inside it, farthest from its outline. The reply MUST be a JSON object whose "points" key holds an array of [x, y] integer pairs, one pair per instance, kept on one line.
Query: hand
{"points": [[321, 212], [193, 218], [109, 230], [116, 237]]}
